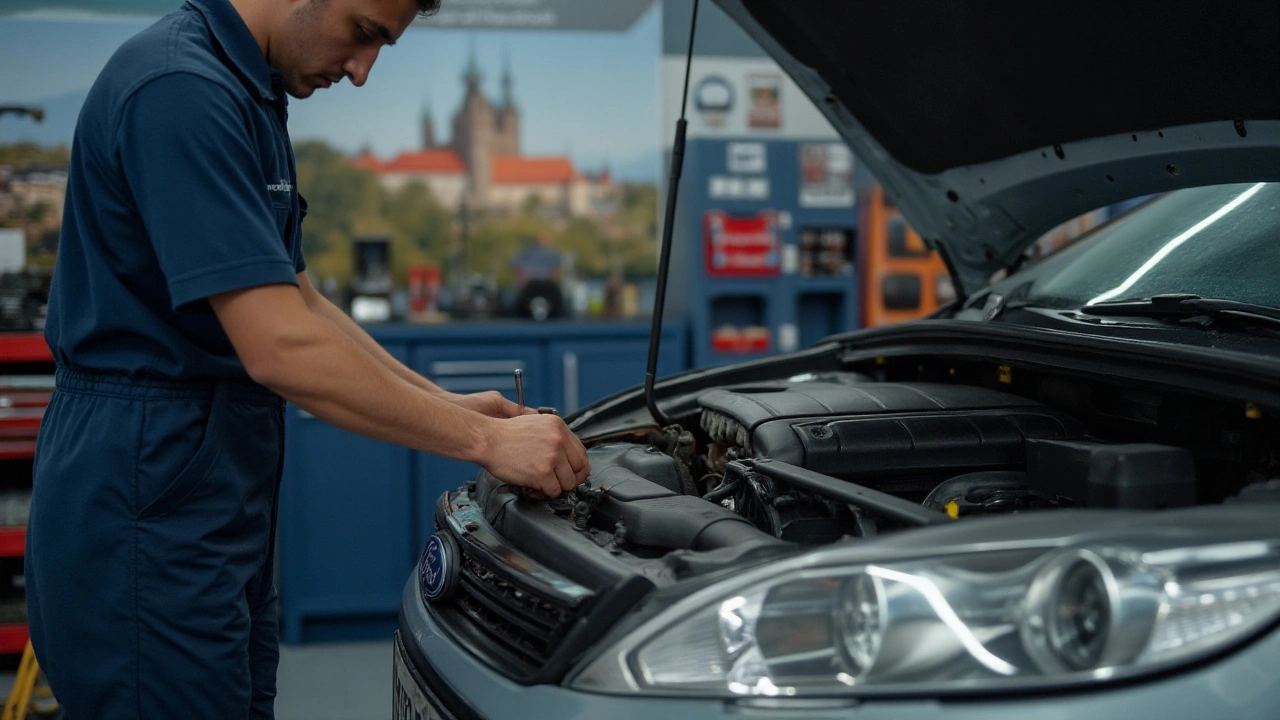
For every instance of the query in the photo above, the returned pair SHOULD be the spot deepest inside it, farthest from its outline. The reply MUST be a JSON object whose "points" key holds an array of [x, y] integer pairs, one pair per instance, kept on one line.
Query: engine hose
{"points": [[724, 490], [960, 486]]}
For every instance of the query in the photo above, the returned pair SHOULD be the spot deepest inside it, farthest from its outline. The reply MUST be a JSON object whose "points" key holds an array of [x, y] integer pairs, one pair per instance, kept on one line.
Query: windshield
{"points": [[1221, 241]]}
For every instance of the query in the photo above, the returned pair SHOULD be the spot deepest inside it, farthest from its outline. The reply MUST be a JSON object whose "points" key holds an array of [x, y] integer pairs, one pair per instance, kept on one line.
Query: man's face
{"points": [[319, 42]]}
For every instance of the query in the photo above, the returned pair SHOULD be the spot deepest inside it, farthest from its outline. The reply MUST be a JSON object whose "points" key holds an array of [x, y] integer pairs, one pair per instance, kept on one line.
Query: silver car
{"points": [[1057, 497]]}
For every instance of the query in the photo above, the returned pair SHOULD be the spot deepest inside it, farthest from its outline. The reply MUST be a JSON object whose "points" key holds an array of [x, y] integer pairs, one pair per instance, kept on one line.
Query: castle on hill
{"points": [[482, 165]]}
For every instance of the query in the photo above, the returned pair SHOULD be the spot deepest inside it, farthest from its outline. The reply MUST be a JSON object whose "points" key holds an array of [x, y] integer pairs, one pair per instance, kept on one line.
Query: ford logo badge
{"points": [[438, 568]]}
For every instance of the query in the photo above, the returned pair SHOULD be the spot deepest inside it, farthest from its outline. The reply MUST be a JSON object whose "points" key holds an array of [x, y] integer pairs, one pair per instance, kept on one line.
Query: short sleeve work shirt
{"points": [[182, 186]]}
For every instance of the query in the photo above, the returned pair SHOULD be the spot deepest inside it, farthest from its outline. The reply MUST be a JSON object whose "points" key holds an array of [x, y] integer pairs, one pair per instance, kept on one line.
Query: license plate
{"points": [[408, 702]]}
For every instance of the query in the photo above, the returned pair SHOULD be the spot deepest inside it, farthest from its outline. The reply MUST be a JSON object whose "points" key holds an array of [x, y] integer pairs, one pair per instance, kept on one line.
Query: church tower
{"points": [[473, 133], [508, 128], [428, 128]]}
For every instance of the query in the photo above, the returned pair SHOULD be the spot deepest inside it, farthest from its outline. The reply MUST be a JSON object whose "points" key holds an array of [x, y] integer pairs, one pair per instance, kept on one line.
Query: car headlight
{"points": [[981, 619]]}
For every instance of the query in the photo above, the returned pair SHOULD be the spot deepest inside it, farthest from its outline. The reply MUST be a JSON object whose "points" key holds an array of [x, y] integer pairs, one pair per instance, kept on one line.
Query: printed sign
{"points": [[746, 158], [615, 15], [592, 15], [765, 91], [741, 246], [826, 175], [734, 187]]}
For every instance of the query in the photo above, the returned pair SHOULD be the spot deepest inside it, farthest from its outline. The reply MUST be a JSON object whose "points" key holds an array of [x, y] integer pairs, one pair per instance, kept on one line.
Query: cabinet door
{"points": [[479, 366], [585, 371], [467, 368], [346, 533]]}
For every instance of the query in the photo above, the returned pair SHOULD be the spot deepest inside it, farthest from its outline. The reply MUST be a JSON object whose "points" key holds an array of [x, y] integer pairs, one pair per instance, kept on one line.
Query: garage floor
{"points": [[337, 681]]}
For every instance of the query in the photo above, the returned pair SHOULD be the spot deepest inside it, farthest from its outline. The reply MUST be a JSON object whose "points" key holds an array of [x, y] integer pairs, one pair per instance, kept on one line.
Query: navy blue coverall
{"points": [[149, 545]]}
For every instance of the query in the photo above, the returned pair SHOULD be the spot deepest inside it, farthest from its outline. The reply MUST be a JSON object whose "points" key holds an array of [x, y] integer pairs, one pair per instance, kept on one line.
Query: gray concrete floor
{"points": [[335, 681], [331, 681]]}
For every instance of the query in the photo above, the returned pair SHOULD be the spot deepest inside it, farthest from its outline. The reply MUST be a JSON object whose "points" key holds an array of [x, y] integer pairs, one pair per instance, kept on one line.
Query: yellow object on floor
{"points": [[24, 690]]}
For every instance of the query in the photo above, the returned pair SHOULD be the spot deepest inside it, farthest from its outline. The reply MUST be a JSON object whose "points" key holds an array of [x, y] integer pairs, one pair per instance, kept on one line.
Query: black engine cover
{"points": [[884, 429]]}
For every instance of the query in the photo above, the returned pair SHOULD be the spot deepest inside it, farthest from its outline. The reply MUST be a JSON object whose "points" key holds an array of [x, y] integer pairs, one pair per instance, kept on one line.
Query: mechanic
{"points": [[180, 316]]}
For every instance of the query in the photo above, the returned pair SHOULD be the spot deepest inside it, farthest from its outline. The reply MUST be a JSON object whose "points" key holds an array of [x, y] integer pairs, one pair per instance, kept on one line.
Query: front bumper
{"points": [[1243, 685]]}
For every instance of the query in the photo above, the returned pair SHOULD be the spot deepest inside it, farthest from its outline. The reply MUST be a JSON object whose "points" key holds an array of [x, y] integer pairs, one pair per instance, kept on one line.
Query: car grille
{"points": [[518, 628]]}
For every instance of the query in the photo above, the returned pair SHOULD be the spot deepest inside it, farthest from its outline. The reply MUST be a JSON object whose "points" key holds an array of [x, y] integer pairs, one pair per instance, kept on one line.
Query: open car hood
{"points": [[989, 123]]}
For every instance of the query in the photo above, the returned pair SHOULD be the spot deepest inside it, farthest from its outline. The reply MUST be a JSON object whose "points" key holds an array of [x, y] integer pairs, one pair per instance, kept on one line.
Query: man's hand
{"points": [[537, 452], [490, 403]]}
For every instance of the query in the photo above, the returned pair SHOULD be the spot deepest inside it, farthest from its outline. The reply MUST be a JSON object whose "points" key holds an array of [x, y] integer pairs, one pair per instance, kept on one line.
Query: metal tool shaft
{"points": [[520, 390]]}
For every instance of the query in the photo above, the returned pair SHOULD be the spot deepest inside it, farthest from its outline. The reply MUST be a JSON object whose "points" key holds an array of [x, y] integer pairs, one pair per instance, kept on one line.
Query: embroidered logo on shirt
{"points": [[282, 186]]}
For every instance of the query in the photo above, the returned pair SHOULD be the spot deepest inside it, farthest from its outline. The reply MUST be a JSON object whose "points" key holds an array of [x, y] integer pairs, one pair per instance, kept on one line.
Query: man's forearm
{"points": [[327, 310], [306, 358], [335, 377]]}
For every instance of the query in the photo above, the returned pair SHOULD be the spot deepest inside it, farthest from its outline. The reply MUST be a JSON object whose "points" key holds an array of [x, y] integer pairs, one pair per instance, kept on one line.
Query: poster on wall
{"points": [[765, 93], [739, 245], [826, 175], [473, 137]]}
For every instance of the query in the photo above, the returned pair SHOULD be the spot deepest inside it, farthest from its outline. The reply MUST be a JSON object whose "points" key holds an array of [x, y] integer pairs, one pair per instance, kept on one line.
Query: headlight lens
{"points": [[1080, 616], [858, 619], [980, 620]]}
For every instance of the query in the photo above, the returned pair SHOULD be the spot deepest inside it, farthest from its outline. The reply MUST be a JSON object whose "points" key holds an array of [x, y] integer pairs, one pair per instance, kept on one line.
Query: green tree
{"points": [[416, 214], [640, 208], [421, 230], [20, 155], [339, 195], [590, 248], [638, 219]]}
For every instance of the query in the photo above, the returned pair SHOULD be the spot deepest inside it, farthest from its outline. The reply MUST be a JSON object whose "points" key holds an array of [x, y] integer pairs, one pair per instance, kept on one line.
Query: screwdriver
{"points": [[520, 397], [520, 391]]}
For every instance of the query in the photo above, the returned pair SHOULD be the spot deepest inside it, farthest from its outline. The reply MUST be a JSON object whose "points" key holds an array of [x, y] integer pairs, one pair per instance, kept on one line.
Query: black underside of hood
{"points": [[990, 122], [943, 84]]}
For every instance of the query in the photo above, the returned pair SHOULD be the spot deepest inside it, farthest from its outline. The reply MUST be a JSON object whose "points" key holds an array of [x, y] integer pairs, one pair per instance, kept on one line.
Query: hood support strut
{"points": [[664, 259]]}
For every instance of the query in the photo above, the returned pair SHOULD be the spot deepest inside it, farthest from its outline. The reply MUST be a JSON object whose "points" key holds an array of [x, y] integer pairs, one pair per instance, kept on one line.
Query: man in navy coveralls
{"points": [[180, 316]]}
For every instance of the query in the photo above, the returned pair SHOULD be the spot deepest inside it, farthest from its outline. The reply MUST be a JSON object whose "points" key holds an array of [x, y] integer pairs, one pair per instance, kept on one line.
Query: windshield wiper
{"points": [[1180, 306]]}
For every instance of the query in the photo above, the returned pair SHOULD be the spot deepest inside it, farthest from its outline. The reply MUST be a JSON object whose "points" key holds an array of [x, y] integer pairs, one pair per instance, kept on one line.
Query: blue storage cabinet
{"points": [[592, 368], [355, 512], [339, 490]]}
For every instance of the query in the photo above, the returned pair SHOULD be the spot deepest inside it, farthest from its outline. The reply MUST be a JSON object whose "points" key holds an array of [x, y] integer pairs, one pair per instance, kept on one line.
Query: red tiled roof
{"points": [[517, 169], [426, 161], [368, 161]]}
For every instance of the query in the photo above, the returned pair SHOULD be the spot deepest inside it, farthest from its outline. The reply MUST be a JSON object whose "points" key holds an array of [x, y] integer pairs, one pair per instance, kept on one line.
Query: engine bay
{"points": [[818, 458]]}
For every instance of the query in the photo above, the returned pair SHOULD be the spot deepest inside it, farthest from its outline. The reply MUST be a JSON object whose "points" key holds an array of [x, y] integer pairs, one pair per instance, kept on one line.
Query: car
{"points": [[1055, 497]]}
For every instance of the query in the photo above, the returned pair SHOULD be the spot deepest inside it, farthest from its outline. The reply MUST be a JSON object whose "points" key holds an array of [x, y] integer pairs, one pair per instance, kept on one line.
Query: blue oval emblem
{"points": [[433, 570]]}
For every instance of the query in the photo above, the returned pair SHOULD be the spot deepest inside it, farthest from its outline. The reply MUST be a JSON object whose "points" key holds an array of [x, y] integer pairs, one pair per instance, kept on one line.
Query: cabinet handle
{"points": [[570, 360], [475, 367]]}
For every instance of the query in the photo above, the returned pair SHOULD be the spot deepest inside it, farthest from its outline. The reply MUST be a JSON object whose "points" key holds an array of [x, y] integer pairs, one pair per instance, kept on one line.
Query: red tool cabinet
{"points": [[26, 383]]}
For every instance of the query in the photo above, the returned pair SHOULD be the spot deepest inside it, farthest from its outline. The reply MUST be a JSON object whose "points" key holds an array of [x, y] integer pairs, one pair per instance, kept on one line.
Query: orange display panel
{"points": [[902, 279]]}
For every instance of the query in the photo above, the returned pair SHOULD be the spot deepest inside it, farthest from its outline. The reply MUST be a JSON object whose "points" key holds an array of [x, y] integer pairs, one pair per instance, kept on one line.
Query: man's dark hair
{"points": [[428, 7]]}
